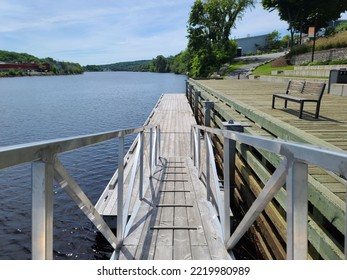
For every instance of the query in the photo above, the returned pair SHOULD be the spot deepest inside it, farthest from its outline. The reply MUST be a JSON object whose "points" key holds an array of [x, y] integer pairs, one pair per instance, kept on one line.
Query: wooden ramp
{"points": [[174, 220]]}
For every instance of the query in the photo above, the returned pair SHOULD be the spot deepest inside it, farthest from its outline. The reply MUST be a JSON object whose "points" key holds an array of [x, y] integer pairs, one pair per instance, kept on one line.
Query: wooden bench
{"points": [[301, 92]]}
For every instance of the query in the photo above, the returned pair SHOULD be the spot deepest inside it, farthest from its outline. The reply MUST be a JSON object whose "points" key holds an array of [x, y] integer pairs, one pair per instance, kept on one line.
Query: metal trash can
{"points": [[337, 77]]}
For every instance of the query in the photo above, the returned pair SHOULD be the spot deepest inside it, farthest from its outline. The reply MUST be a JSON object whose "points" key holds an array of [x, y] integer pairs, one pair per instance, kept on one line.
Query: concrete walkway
{"points": [[254, 61]]}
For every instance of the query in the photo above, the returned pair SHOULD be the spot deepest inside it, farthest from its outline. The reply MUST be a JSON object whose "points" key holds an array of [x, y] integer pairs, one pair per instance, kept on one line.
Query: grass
{"points": [[265, 69], [236, 65], [338, 40]]}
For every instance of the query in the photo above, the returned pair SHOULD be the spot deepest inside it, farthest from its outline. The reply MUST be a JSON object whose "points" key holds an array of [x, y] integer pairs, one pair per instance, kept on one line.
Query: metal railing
{"points": [[291, 172], [47, 168]]}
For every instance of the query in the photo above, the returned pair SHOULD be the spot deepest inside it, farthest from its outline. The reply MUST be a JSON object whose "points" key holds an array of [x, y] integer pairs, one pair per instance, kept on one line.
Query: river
{"points": [[43, 108]]}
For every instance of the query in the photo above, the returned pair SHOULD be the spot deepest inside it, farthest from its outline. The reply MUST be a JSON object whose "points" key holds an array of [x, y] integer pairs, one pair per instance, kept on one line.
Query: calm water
{"points": [[42, 108]]}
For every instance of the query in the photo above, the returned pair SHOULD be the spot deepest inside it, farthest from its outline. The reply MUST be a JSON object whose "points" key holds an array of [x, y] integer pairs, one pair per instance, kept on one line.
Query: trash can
{"points": [[337, 77], [239, 52]]}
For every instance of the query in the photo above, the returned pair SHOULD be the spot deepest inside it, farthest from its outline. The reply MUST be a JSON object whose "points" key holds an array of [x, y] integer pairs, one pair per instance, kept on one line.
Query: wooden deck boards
{"points": [[329, 131], [250, 101], [174, 221]]}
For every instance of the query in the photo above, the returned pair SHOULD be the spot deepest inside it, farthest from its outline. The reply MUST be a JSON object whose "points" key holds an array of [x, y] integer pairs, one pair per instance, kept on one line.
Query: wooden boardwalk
{"points": [[174, 220], [250, 101]]}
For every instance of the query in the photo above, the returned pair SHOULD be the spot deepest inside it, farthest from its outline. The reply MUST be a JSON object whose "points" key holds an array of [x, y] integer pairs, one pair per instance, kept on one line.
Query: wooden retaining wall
{"points": [[267, 237]]}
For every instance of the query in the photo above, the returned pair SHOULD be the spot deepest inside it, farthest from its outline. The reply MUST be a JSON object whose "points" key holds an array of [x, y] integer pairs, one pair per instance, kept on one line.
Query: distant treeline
{"points": [[172, 64], [135, 66], [56, 67]]}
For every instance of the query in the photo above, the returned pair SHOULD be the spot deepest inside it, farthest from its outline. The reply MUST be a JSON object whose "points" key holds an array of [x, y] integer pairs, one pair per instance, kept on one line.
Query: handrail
{"points": [[46, 167], [22, 153], [293, 172]]}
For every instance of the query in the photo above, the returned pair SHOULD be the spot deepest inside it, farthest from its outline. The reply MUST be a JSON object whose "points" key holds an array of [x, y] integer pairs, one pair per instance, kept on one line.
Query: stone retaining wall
{"points": [[333, 54]]}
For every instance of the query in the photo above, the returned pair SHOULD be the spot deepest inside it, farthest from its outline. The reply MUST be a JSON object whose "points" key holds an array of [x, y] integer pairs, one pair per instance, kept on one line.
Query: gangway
{"points": [[166, 201]]}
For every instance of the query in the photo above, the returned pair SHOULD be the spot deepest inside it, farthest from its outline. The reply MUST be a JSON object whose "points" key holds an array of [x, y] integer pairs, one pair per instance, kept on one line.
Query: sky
{"points": [[109, 31]]}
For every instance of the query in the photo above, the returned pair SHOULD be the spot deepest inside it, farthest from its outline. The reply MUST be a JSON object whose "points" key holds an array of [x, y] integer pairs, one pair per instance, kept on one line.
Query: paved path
{"points": [[254, 61]]}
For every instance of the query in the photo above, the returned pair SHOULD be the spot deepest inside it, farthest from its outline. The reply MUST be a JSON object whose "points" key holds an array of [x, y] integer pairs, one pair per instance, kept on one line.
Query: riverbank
{"points": [[33, 74]]}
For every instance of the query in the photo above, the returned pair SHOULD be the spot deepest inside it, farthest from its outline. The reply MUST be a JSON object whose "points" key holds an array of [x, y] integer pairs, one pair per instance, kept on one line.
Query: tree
{"points": [[303, 13], [160, 64], [209, 26], [273, 40], [179, 63]]}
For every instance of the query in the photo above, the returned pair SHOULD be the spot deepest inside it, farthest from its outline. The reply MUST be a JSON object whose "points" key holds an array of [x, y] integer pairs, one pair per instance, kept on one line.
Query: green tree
{"points": [[303, 13], [273, 40], [285, 41], [160, 64], [209, 27]]}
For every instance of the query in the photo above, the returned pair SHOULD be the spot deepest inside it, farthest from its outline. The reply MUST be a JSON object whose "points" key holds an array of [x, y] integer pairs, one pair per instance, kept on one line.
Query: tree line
{"points": [[57, 67], [209, 29]]}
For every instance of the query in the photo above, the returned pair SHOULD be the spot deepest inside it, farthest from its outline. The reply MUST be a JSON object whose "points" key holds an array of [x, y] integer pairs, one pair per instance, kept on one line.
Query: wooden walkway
{"points": [[250, 101], [174, 221]]}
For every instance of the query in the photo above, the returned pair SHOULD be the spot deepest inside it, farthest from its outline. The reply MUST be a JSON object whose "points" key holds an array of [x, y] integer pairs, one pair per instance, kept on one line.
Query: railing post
{"points": [[42, 208], [187, 85], [159, 141], [190, 95], [208, 176], [208, 105], [229, 149], [156, 146], [198, 154], [150, 151], [192, 145], [120, 188], [141, 142], [196, 105], [296, 185]]}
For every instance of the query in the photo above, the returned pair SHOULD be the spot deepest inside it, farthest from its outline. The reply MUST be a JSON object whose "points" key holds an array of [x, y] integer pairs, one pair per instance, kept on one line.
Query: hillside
{"points": [[55, 67], [134, 66]]}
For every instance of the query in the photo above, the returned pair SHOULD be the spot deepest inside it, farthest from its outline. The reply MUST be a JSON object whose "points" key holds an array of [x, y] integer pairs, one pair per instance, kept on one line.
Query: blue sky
{"points": [[108, 31]]}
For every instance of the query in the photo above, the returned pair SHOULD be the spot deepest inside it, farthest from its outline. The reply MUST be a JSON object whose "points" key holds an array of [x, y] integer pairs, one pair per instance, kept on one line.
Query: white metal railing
{"points": [[46, 167], [292, 171]]}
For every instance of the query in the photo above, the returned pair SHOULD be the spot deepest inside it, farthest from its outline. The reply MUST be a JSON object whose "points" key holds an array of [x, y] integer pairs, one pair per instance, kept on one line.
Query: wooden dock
{"points": [[250, 101], [174, 219]]}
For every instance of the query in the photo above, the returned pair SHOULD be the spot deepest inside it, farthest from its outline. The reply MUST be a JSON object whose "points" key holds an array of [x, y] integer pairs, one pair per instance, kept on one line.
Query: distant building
{"points": [[250, 45], [4, 66], [336, 22]]}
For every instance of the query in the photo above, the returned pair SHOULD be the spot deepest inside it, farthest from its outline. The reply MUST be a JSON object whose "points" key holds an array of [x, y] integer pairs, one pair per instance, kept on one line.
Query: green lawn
{"points": [[265, 70]]}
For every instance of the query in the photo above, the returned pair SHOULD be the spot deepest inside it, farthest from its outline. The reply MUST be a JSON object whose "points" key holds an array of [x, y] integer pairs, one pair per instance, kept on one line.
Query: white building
{"points": [[250, 45]]}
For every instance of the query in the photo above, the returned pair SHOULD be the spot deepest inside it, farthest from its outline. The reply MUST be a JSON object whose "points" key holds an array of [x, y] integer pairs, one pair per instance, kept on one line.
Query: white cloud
{"points": [[107, 31], [94, 31]]}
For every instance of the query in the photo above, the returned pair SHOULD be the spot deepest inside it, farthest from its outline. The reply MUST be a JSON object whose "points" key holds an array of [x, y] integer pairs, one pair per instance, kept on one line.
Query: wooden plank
{"points": [[200, 252], [182, 247], [163, 252], [174, 227], [209, 224]]}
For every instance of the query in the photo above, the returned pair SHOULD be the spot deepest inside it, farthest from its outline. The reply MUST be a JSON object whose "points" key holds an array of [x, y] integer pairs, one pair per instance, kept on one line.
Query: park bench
{"points": [[301, 92]]}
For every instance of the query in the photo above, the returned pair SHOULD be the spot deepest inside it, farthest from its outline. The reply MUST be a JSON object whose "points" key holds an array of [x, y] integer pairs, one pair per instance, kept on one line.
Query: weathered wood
{"points": [[169, 224], [251, 101]]}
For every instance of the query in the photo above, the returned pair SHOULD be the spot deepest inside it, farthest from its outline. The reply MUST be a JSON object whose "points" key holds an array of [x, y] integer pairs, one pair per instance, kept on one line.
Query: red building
{"points": [[44, 67]]}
